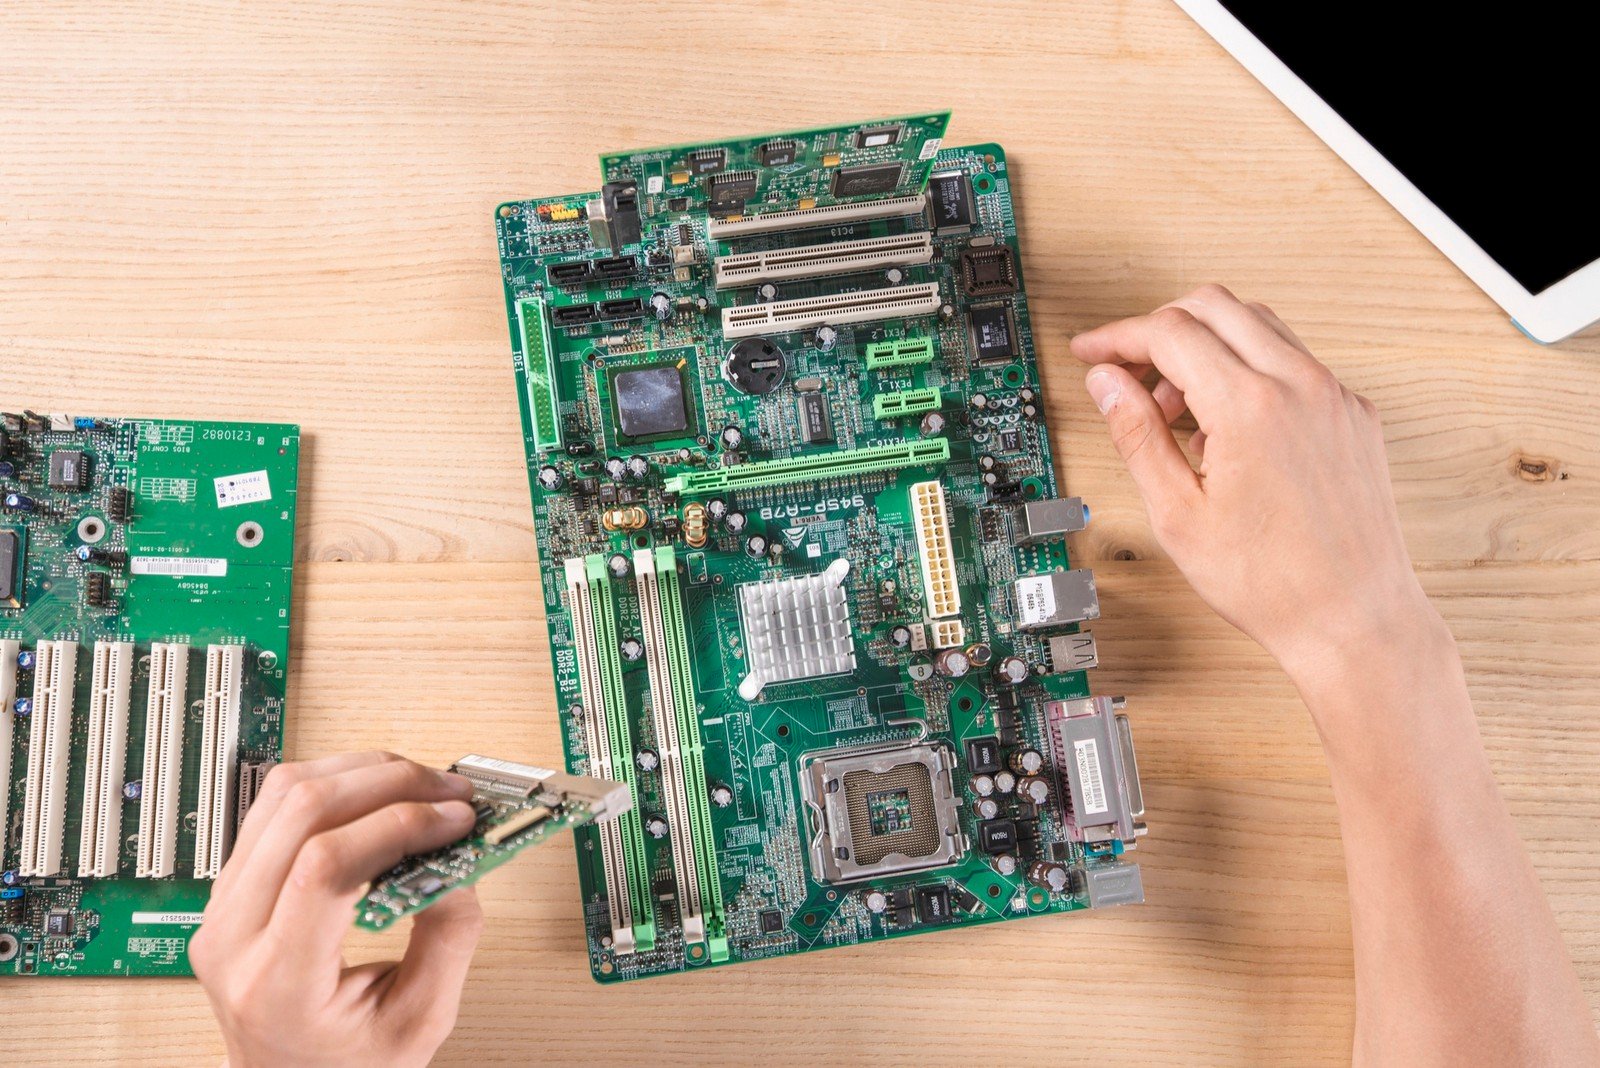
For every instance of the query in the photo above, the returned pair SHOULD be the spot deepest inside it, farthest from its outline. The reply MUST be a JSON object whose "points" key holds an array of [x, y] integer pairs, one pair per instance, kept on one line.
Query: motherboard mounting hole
{"points": [[91, 529], [783, 730], [696, 952], [8, 947], [249, 534], [606, 967], [965, 704], [994, 889]]}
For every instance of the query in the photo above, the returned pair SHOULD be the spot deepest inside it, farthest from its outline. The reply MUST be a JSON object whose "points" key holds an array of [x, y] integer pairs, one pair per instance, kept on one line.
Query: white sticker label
{"points": [[472, 760], [1087, 754], [179, 566], [653, 184], [1036, 600], [171, 919], [249, 488], [930, 147]]}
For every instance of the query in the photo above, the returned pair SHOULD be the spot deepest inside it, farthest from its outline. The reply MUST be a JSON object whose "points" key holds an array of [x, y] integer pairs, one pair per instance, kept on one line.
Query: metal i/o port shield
{"points": [[165, 710], [49, 742], [105, 754], [862, 306], [219, 759]]}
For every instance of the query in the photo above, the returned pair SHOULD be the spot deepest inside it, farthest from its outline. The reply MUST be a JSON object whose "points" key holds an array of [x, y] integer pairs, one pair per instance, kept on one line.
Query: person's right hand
{"points": [[1288, 528], [268, 951]]}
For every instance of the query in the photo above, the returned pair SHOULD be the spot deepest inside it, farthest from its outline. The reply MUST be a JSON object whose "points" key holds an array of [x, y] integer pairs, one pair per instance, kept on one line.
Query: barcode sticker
{"points": [[1036, 600], [930, 147], [177, 919], [251, 487], [179, 566], [1087, 754]]}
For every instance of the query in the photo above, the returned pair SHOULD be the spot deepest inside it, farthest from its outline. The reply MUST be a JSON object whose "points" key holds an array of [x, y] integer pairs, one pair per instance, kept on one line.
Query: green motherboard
{"points": [[803, 558], [145, 571]]}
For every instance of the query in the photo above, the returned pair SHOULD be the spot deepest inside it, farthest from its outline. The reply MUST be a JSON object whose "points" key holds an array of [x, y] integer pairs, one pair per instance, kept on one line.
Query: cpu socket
{"points": [[880, 811]]}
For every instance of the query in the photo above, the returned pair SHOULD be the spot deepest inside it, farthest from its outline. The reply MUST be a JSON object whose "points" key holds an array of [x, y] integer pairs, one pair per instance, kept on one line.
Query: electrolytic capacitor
{"points": [[825, 338], [638, 467], [25, 660], [632, 650], [661, 306], [900, 637], [7, 469], [952, 663], [987, 808], [656, 826], [986, 462], [618, 565], [735, 522], [20, 502], [755, 546], [767, 291], [877, 902], [1035, 790], [716, 508], [647, 760], [1005, 864], [23, 706], [932, 423], [132, 791], [721, 795], [1005, 782], [1026, 761], [980, 653], [731, 438], [615, 468], [1011, 670], [549, 478], [980, 401], [982, 785], [1049, 875]]}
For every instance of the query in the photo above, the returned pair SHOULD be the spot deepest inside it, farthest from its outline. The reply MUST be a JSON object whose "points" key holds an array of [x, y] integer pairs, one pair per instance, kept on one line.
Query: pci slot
{"points": [[539, 371], [163, 760], [105, 754], [683, 777], [845, 463], [779, 222], [605, 721], [817, 261], [44, 807], [8, 697], [862, 306], [219, 759], [940, 590]]}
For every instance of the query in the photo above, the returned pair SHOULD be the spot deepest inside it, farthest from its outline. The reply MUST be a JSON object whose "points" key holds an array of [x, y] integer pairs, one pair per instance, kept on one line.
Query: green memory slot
{"points": [[899, 352], [539, 369], [762, 474], [673, 621], [622, 747], [906, 402]]}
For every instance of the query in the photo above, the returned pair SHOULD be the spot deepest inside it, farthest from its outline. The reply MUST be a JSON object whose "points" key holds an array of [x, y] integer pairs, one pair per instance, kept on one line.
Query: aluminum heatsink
{"points": [[796, 628]]}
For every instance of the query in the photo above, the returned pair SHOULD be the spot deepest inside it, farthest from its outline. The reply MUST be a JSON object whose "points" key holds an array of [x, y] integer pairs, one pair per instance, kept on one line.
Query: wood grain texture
{"points": [[282, 211]]}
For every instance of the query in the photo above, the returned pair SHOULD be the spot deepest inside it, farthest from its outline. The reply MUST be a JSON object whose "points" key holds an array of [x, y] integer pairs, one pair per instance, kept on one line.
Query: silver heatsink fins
{"points": [[796, 628]]}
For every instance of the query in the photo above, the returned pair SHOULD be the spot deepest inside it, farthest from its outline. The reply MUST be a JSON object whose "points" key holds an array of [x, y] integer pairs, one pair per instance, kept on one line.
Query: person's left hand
{"points": [[268, 951]]}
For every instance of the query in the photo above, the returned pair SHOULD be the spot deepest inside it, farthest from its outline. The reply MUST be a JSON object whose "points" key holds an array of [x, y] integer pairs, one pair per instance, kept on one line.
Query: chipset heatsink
{"points": [[796, 628]]}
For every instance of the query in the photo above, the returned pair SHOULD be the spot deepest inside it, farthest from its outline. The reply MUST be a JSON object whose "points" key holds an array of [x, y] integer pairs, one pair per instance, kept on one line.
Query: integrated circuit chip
{"points": [[779, 153], [10, 570], [69, 470], [950, 209], [649, 401], [735, 187], [994, 333], [816, 425], [708, 160], [869, 179]]}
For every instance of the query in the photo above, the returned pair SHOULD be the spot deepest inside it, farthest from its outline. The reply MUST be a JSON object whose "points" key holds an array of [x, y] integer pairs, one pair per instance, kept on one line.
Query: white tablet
{"points": [[1475, 122]]}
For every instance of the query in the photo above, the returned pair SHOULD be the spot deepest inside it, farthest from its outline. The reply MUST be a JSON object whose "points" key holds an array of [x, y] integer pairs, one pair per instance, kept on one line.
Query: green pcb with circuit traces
{"points": [[145, 568], [802, 555]]}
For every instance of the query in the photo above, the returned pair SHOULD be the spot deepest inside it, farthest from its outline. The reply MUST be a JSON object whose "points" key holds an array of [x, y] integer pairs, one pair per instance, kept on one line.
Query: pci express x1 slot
{"points": [[837, 309], [818, 261]]}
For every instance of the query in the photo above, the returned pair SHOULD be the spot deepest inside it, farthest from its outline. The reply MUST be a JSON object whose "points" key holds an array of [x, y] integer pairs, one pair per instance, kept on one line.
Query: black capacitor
{"points": [[900, 637], [638, 467], [735, 522], [20, 502], [1049, 875], [1035, 790], [615, 468], [549, 478], [716, 508], [731, 438], [1011, 670], [755, 545], [721, 795], [618, 565], [661, 306], [647, 759], [1027, 761], [1005, 782], [632, 650]]}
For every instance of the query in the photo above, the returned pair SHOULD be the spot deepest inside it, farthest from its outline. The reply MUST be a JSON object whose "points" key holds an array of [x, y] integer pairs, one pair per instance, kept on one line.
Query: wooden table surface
{"points": [[282, 211]]}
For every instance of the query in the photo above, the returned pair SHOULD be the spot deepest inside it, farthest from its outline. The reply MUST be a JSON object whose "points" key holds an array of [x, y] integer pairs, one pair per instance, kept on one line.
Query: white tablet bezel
{"points": [[1565, 308]]}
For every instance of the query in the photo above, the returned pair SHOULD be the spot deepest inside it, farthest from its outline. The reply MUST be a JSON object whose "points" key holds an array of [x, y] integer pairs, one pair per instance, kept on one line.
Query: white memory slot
{"points": [[8, 697], [105, 756], [163, 759], [862, 306], [597, 738], [674, 787], [44, 809], [819, 261], [219, 759], [778, 222]]}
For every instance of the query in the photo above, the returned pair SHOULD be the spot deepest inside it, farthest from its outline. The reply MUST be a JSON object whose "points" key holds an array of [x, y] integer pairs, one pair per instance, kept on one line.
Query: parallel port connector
{"points": [[862, 306], [105, 753], [778, 222], [846, 463], [819, 261], [940, 591]]}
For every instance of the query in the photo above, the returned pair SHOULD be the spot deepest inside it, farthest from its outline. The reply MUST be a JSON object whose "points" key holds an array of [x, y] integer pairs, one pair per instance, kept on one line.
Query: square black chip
{"points": [[994, 333], [649, 401], [69, 470]]}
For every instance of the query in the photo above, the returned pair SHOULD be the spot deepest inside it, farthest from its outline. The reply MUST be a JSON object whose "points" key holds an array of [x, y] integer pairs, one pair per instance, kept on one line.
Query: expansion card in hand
{"points": [[518, 806]]}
